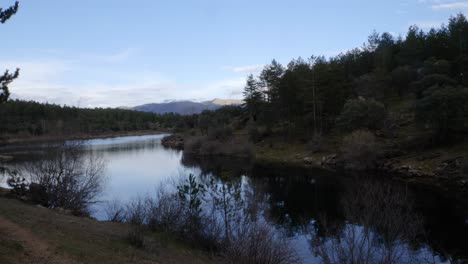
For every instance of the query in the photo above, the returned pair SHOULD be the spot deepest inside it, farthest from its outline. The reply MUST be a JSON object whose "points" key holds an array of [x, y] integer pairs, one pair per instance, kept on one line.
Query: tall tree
{"points": [[7, 77], [253, 96], [271, 78]]}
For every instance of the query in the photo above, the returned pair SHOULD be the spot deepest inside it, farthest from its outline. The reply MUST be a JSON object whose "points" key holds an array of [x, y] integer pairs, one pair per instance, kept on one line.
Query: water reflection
{"points": [[310, 206]]}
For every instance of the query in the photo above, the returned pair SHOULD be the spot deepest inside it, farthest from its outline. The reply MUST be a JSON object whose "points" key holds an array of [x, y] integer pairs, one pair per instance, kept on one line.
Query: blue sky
{"points": [[100, 53]]}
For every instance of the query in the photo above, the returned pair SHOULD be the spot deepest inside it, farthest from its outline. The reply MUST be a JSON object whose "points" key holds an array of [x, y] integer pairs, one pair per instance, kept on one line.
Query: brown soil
{"points": [[34, 249]]}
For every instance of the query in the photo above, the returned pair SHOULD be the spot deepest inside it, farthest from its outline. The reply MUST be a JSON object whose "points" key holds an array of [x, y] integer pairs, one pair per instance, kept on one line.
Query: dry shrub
{"points": [[380, 228], [254, 242], [69, 176], [210, 147], [164, 211], [115, 211], [249, 241], [360, 150], [193, 144]]}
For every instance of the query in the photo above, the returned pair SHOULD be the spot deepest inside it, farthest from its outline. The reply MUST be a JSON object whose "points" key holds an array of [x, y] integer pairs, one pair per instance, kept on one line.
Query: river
{"points": [[302, 204]]}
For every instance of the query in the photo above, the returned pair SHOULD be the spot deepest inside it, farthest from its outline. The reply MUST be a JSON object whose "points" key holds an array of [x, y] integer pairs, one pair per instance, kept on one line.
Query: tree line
{"points": [[353, 90], [35, 119]]}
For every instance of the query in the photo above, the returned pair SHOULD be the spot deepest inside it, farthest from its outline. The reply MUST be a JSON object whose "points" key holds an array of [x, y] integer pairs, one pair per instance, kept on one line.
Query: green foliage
{"points": [[401, 79], [227, 200], [35, 119], [191, 194], [253, 96], [7, 77], [5, 80], [444, 110], [7, 13], [362, 114], [429, 81], [309, 96]]}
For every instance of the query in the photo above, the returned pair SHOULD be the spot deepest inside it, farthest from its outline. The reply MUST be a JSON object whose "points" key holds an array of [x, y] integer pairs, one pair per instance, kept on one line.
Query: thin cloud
{"points": [[248, 68], [451, 6], [427, 24], [55, 81]]}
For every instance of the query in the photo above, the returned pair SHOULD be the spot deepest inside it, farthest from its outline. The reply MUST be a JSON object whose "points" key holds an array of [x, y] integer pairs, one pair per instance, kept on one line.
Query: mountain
{"points": [[186, 107]]}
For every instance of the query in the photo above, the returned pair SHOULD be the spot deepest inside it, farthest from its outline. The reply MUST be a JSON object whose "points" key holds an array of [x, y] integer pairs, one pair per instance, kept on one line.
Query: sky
{"points": [[110, 53]]}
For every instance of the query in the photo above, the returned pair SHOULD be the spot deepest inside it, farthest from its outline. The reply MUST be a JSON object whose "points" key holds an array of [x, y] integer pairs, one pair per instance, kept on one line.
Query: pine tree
{"points": [[252, 96], [7, 77]]}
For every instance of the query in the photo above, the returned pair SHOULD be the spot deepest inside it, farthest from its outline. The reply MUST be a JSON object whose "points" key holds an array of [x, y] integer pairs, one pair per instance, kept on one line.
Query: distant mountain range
{"points": [[186, 107]]}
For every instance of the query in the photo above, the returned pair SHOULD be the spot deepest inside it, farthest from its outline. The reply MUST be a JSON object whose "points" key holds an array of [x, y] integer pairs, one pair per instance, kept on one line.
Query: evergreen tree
{"points": [[7, 77], [253, 96]]}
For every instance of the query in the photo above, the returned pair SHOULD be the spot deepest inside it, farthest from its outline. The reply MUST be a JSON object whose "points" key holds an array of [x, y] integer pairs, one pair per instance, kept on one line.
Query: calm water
{"points": [[297, 200]]}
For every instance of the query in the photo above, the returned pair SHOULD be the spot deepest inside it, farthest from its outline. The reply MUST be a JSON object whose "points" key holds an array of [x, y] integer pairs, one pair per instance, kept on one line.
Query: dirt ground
{"points": [[32, 234]]}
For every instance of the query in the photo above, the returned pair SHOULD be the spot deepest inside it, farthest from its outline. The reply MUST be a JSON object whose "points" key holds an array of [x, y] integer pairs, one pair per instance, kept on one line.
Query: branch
{"points": [[5, 80], [7, 13]]}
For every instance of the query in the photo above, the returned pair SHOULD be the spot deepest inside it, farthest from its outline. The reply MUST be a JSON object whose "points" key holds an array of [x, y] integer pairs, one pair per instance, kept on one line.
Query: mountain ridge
{"points": [[186, 107]]}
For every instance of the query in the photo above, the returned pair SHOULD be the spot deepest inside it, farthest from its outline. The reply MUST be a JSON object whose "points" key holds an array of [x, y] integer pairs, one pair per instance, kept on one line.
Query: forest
{"points": [[22, 118], [420, 78], [356, 89], [389, 85]]}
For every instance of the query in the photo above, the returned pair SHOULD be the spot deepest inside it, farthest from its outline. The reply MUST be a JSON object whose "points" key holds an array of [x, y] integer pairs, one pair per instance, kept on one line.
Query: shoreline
{"points": [[44, 139], [411, 170]]}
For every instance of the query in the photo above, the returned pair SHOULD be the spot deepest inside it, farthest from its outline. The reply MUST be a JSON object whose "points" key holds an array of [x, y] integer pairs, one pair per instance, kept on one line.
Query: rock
{"points": [[311, 161], [329, 161]]}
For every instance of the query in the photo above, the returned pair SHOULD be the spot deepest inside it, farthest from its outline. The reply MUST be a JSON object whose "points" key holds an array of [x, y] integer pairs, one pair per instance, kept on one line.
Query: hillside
{"points": [[32, 234]]}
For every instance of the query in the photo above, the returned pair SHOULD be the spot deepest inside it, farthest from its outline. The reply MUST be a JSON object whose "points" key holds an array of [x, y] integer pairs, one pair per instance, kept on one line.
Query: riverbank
{"points": [[19, 140], [33, 234], [443, 167]]}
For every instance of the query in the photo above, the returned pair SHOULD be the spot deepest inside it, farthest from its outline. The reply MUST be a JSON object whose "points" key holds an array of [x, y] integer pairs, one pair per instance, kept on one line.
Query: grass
{"points": [[87, 240]]}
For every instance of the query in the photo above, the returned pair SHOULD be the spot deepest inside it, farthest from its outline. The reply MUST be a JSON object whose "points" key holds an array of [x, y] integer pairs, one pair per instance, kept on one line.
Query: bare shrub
{"points": [[381, 226], [193, 144], [360, 150], [115, 211], [164, 211], [137, 211], [220, 133], [210, 147], [70, 177], [136, 216], [253, 242], [222, 225]]}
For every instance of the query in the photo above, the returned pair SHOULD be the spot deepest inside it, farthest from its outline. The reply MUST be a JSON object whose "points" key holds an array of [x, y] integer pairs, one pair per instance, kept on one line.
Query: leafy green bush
{"points": [[362, 114], [421, 86], [444, 110]]}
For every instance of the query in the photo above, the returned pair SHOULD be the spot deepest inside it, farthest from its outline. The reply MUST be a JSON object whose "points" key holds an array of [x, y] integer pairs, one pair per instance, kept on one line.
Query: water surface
{"points": [[298, 200]]}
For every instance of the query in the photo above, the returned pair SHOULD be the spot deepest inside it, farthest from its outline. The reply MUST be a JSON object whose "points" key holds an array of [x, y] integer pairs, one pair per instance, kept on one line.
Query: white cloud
{"points": [[427, 24], [248, 68], [79, 83], [450, 6], [432, 1], [116, 57]]}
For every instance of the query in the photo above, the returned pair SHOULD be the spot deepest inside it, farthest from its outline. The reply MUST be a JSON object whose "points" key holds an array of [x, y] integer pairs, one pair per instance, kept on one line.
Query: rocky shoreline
{"points": [[450, 173]]}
